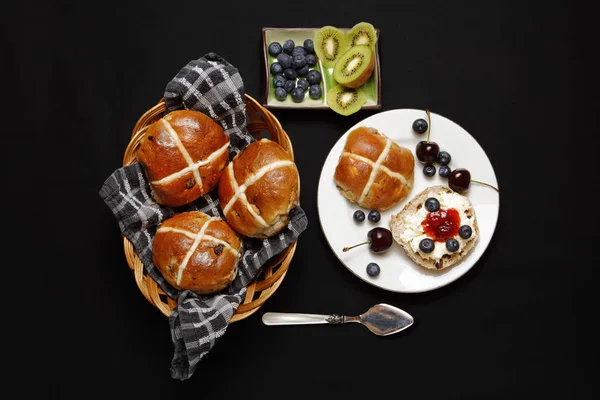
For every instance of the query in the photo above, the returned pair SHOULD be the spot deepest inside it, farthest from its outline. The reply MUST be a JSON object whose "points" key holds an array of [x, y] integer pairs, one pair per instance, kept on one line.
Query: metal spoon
{"points": [[381, 319]]}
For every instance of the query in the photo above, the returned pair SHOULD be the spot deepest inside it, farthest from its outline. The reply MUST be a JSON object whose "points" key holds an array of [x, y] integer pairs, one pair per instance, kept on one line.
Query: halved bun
{"points": [[406, 229]]}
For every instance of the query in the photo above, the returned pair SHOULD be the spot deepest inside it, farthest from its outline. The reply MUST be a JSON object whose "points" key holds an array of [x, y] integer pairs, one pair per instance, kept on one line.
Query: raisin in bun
{"points": [[194, 251], [183, 154], [258, 189], [373, 170]]}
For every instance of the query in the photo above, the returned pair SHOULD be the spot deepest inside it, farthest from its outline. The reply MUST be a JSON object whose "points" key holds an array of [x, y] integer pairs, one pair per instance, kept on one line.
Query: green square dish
{"points": [[371, 88]]}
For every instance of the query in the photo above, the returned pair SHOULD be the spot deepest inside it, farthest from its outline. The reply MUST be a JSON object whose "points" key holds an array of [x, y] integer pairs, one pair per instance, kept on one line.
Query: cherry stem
{"points": [[429, 118], [351, 247], [486, 184]]}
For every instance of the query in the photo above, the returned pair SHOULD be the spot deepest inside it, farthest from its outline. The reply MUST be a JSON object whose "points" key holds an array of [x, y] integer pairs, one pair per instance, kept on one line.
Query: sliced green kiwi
{"points": [[330, 43], [345, 101], [362, 33], [354, 67]]}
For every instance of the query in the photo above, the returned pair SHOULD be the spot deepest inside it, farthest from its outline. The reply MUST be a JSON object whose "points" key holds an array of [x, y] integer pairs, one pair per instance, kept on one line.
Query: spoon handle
{"points": [[275, 318]]}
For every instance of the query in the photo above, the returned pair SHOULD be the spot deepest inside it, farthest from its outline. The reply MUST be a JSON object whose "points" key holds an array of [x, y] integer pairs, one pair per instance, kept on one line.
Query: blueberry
{"points": [[298, 95], [452, 245], [302, 83], [432, 204], [290, 73], [374, 216], [299, 50], [285, 60], [359, 215], [373, 269], [444, 171], [279, 80], [280, 93], [465, 231], [311, 60], [313, 77], [298, 60], [289, 85], [420, 125], [426, 245], [309, 45], [288, 46], [302, 71], [315, 91], [444, 158], [276, 68], [429, 170], [275, 48]]}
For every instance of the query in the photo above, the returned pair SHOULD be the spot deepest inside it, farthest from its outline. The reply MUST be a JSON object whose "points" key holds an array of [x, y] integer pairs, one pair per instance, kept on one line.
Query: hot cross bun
{"points": [[196, 252], [183, 154], [258, 189], [374, 171]]}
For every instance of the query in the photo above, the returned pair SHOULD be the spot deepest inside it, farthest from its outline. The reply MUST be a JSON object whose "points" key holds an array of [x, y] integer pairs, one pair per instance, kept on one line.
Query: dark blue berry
{"points": [[426, 245], [444, 158], [465, 231], [298, 60], [309, 45], [444, 171], [315, 91], [452, 245], [298, 95], [359, 215], [302, 71], [275, 48], [374, 216], [420, 125], [279, 80], [302, 83], [311, 60], [373, 269], [280, 93], [289, 85], [285, 60], [290, 73], [432, 204], [299, 50], [288, 46], [313, 77], [276, 68], [429, 170]]}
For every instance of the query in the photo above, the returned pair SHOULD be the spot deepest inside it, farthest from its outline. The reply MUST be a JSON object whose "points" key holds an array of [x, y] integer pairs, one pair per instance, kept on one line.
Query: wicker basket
{"points": [[261, 124]]}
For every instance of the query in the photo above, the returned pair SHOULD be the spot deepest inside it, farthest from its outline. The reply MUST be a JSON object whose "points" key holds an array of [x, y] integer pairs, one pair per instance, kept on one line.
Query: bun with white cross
{"points": [[258, 189], [197, 252], [183, 154], [373, 170]]}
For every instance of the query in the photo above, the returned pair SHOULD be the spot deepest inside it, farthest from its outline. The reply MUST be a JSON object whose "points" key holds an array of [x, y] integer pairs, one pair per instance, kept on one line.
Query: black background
{"points": [[515, 74]]}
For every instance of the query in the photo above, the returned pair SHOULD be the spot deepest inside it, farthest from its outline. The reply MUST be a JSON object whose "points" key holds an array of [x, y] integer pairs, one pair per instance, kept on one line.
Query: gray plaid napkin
{"points": [[213, 86]]}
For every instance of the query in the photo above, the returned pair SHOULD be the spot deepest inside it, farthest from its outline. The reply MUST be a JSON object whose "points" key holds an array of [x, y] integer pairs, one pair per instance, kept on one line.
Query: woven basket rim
{"points": [[271, 275]]}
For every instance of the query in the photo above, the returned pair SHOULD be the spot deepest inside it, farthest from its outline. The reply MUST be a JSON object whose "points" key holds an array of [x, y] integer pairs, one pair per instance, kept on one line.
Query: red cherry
{"points": [[380, 239], [427, 152], [459, 180]]}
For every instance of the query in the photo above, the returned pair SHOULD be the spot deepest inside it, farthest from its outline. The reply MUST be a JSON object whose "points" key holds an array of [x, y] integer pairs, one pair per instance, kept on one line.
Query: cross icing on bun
{"points": [[184, 155], [194, 251], [374, 171], [258, 189]]}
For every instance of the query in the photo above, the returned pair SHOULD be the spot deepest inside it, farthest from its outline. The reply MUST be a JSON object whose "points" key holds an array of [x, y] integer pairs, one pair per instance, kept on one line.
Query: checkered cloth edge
{"points": [[213, 86]]}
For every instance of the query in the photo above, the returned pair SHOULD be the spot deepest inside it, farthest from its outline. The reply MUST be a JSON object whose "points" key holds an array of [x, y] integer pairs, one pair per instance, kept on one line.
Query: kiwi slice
{"points": [[345, 101], [355, 66], [330, 43], [362, 33]]}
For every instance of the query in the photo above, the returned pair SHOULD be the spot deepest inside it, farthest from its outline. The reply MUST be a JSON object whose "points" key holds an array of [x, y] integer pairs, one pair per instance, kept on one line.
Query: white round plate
{"points": [[398, 272]]}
